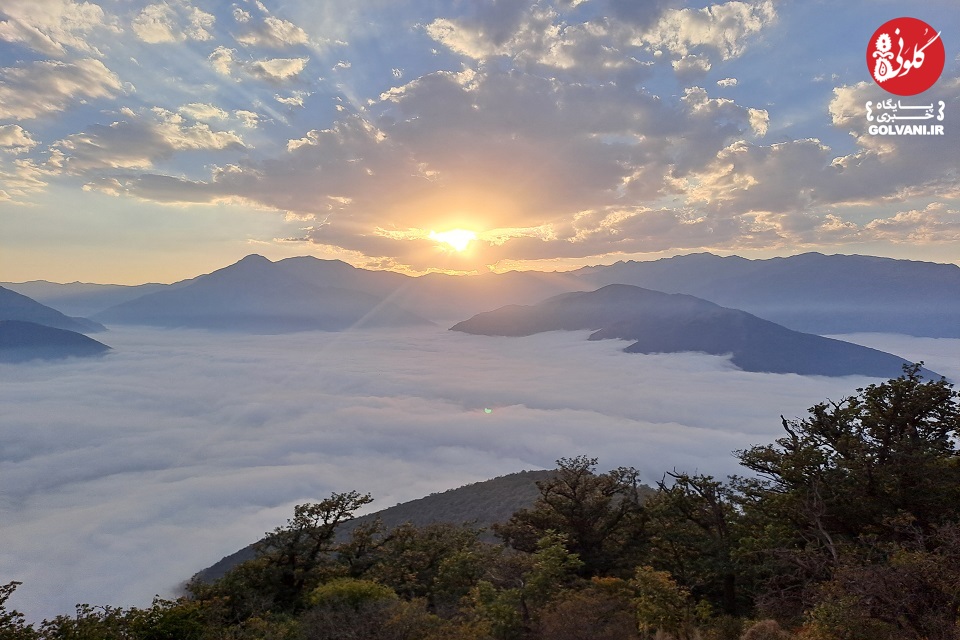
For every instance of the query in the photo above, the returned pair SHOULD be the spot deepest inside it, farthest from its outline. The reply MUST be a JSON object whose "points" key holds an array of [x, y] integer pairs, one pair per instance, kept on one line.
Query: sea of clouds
{"points": [[121, 477]]}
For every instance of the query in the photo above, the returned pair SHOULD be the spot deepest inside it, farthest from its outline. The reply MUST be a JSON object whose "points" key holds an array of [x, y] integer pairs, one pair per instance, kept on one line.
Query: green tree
{"points": [[291, 561], [663, 606], [512, 596], [601, 516], [851, 480], [439, 562], [694, 529], [12, 622]]}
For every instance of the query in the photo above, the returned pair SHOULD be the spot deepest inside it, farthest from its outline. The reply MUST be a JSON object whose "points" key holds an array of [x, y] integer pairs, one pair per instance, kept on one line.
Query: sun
{"points": [[459, 239]]}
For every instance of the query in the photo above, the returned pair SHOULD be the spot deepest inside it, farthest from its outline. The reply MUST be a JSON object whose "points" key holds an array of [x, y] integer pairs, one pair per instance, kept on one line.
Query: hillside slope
{"points": [[658, 322]]}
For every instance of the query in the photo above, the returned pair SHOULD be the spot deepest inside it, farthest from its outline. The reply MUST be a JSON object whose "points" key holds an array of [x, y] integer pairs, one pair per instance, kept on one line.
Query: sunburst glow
{"points": [[459, 239]]}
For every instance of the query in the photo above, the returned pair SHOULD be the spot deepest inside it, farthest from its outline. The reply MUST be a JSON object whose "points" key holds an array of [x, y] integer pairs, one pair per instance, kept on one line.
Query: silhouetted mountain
{"points": [[809, 292], [21, 341], [80, 298], [435, 296], [669, 323], [16, 306], [479, 504], [255, 294], [294, 294], [448, 297]]}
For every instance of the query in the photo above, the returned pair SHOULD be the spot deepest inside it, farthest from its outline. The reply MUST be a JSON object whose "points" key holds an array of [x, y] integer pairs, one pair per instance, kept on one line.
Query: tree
{"points": [[12, 626], [291, 561], [511, 607], [438, 562], [693, 525], [600, 515], [853, 478]]}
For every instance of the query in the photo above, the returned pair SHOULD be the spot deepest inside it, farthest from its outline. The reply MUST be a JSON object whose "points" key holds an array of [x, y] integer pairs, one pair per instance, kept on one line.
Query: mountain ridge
{"points": [[16, 306], [22, 341], [810, 292], [658, 322]]}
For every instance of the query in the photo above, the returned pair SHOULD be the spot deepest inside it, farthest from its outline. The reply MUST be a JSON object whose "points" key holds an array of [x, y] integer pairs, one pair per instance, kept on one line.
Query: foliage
{"points": [[12, 625], [597, 612], [693, 526], [350, 592], [664, 606], [512, 607], [438, 562], [848, 486], [601, 516]]}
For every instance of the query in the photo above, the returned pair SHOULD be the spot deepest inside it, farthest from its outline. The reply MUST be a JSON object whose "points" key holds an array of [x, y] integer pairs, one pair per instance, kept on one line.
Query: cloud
{"points": [[124, 476], [272, 32], [14, 139], [295, 99], [691, 66], [51, 27], [277, 69], [203, 111], [222, 60], [40, 88], [175, 21], [724, 29], [406, 171], [550, 128], [249, 119], [139, 140], [536, 35], [20, 178], [935, 223], [800, 181]]}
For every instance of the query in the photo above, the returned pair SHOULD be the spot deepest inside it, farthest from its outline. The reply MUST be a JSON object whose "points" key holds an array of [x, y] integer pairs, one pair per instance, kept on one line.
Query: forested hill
{"points": [[480, 504]]}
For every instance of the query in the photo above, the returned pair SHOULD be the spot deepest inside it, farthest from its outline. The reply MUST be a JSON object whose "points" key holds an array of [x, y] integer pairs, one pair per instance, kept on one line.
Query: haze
{"points": [[123, 476]]}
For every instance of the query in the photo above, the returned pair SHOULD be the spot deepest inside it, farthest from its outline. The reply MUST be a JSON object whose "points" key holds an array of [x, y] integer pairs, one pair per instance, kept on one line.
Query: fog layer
{"points": [[121, 477]]}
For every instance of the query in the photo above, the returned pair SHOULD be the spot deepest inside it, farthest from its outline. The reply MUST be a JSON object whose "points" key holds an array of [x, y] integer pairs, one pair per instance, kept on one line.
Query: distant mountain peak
{"points": [[254, 258], [658, 322]]}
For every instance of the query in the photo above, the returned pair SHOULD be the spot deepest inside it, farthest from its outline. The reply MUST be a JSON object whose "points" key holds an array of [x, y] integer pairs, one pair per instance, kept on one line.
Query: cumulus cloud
{"points": [[555, 136], [535, 34], [277, 69], [203, 111], [691, 66], [724, 29], [249, 119], [174, 21], [295, 99], [222, 60], [124, 476], [933, 224], [408, 167], [51, 27], [40, 88], [139, 140], [272, 32], [14, 139]]}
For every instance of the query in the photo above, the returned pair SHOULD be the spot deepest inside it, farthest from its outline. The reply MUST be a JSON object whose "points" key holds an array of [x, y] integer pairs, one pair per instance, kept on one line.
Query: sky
{"points": [[152, 141], [124, 476]]}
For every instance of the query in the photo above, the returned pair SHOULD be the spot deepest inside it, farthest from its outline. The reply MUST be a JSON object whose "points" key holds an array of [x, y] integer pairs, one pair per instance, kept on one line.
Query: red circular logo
{"points": [[905, 56]]}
